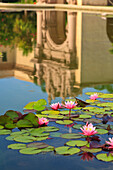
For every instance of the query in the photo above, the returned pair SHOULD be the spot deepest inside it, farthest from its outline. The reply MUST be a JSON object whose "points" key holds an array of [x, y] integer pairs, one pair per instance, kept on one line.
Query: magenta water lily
{"points": [[43, 121], [70, 105], [110, 142], [94, 96], [88, 129], [56, 106]]}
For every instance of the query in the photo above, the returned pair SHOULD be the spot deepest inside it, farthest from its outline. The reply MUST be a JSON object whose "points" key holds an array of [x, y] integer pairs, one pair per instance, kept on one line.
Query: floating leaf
{"points": [[32, 118], [64, 122], [24, 139], [10, 138], [29, 105], [53, 112], [17, 146], [91, 93], [24, 123], [101, 131], [56, 134], [4, 132], [93, 120], [66, 112], [1, 127], [4, 119], [104, 157], [49, 128], [92, 150], [64, 150], [12, 114], [41, 138], [10, 126], [85, 116], [71, 136], [30, 151], [77, 126], [38, 145], [17, 133], [77, 142], [40, 105], [55, 116], [48, 149]]}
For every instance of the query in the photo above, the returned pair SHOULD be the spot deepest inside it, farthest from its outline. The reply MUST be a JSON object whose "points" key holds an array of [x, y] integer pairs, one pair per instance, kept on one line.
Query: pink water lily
{"points": [[88, 129], [43, 121], [94, 96], [70, 104], [56, 106], [110, 143]]}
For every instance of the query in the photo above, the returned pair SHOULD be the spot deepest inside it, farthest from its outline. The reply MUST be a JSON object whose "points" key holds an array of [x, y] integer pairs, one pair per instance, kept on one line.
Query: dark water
{"points": [[52, 55]]}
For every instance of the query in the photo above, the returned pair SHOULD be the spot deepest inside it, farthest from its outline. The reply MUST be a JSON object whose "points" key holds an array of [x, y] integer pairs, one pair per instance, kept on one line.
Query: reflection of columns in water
{"points": [[39, 28], [71, 30]]}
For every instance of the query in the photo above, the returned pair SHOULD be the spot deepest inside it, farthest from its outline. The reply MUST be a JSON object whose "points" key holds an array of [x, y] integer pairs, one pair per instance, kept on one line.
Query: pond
{"points": [[55, 55]]}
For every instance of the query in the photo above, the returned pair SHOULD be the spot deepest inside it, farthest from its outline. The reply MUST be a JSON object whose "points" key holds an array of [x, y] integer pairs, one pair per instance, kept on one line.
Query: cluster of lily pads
{"points": [[90, 121]]}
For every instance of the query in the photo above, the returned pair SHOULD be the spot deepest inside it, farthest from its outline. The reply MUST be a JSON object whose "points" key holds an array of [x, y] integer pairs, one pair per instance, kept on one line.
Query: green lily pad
{"points": [[55, 116], [1, 127], [48, 149], [4, 119], [105, 95], [77, 143], [40, 105], [30, 151], [104, 157], [10, 138], [50, 128], [18, 133], [10, 126], [17, 146], [77, 126], [64, 150], [32, 118], [41, 138], [4, 132], [91, 150], [12, 114], [71, 136], [56, 134], [24, 139], [50, 112], [29, 106], [64, 122], [24, 123], [101, 131], [85, 116], [66, 112], [40, 115]]}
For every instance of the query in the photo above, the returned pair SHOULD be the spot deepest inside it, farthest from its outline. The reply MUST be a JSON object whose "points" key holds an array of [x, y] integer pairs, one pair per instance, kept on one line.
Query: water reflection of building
{"points": [[14, 64], [72, 52]]}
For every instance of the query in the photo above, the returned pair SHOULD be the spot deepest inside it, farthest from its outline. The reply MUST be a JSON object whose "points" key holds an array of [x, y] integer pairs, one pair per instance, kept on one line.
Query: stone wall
{"points": [[93, 2]]}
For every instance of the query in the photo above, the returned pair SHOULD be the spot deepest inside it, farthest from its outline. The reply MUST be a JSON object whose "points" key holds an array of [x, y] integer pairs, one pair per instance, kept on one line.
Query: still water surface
{"points": [[52, 55]]}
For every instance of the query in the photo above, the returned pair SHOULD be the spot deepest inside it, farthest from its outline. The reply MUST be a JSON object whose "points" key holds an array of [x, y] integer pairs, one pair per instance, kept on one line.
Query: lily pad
{"points": [[24, 139], [48, 149], [10, 138], [10, 126], [77, 143], [64, 150], [30, 151], [41, 138], [85, 116], [64, 122], [104, 157], [56, 134], [50, 112], [50, 129], [93, 120], [29, 105], [55, 116], [40, 105], [92, 150], [4, 132], [38, 145], [77, 126], [24, 124], [71, 136], [101, 131], [66, 112], [32, 118], [17, 146], [12, 114], [1, 127]]}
